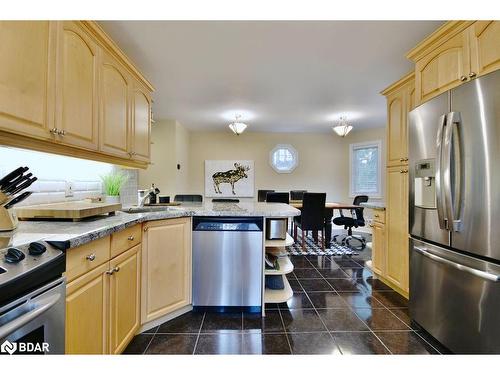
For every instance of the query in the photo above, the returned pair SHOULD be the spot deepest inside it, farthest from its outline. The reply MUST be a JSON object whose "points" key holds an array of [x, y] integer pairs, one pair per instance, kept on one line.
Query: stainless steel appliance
{"points": [[454, 157], [32, 300], [227, 263], [276, 229]]}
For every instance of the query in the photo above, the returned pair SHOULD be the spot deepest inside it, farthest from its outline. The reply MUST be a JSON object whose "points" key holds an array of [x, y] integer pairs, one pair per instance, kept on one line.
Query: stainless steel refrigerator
{"points": [[454, 157]]}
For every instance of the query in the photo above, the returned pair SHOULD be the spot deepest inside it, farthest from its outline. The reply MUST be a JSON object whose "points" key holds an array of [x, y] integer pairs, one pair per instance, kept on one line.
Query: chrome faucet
{"points": [[144, 194]]}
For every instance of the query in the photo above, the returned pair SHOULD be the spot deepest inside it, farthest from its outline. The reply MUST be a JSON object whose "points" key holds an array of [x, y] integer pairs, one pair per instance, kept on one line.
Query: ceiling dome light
{"points": [[343, 128], [237, 127]]}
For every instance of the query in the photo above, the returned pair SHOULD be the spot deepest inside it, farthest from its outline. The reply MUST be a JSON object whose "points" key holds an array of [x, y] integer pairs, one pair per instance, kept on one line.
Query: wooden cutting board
{"points": [[76, 210]]}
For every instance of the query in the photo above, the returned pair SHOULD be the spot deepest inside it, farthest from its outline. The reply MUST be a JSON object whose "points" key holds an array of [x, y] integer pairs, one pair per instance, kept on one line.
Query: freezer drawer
{"points": [[456, 298]]}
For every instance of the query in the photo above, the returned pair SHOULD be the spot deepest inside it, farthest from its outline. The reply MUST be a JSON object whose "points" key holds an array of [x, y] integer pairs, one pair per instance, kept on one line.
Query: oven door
{"points": [[34, 323]]}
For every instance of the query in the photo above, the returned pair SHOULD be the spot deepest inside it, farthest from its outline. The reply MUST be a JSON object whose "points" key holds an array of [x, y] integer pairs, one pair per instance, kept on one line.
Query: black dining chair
{"points": [[278, 197], [355, 220], [188, 198], [312, 217], [297, 195], [262, 195]]}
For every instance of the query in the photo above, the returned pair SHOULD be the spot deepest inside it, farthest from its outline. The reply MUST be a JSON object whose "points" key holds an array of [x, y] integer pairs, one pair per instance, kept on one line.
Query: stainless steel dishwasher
{"points": [[227, 263]]}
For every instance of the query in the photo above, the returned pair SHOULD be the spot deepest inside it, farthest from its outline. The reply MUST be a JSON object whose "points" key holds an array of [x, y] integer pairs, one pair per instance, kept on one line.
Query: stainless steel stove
{"points": [[32, 299]]}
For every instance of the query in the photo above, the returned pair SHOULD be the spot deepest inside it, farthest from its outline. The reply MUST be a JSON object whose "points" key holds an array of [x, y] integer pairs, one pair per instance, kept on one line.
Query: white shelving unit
{"points": [[277, 248]]}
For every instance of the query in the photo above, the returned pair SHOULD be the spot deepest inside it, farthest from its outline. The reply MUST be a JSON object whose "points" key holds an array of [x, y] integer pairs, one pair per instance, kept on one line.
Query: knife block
{"points": [[8, 219]]}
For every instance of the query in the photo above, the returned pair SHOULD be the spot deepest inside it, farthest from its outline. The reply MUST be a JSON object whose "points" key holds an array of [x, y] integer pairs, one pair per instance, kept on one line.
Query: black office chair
{"points": [[297, 195], [262, 194], [354, 221], [312, 217], [277, 197], [188, 198]]}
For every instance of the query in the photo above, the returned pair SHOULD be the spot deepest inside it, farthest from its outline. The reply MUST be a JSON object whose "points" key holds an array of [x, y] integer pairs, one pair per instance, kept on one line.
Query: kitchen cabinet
{"points": [[141, 124], [397, 270], [103, 300], [400, 100], [114, 107], [27, 81], [485, 46], [87, 313], [378, 247], [66, 88], [124, 295], [455, 53], [77, 87], [166, 267]]}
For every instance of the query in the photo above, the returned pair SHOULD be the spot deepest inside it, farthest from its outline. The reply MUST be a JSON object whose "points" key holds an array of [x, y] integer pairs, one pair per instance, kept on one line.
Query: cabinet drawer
{"points": [[125, 239], [86, 257], [379, 216]]}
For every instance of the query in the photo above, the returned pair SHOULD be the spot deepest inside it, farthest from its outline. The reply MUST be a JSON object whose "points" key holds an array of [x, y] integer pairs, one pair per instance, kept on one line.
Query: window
{"points": [[283, 158], [365, 160]]}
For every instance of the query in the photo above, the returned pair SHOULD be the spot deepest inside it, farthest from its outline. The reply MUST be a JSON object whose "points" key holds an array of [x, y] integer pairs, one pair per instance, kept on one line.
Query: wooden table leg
{"points": [[328, 226]]}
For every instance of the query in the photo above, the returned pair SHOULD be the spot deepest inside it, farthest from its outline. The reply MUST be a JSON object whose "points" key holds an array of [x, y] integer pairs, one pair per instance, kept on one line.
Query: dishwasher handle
{"points": [[228, 223]]}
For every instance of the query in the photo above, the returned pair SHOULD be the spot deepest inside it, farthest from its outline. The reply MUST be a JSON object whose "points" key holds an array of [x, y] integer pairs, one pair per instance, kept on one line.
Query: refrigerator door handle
{"points": [[482, 274], [452, 189], [441, 211]]}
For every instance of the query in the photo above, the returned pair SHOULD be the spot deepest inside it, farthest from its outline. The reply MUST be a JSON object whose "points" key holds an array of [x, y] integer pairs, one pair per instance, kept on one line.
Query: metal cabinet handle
{"points": [[54, 131], [130, 238], [401, 159], [376, 215], [463, 78], [370, 225], [110, 272], [116, 269], [472, 74], [473, 271], [90, 257], [443, 222], [61, 132]]}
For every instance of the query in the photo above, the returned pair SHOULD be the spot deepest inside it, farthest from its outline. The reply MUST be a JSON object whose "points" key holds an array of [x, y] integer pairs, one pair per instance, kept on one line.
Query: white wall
{"points": [[323, 159]]}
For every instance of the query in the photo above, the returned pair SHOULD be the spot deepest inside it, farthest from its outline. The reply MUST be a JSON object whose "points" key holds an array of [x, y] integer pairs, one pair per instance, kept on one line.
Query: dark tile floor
{"points": [[337, 308]]}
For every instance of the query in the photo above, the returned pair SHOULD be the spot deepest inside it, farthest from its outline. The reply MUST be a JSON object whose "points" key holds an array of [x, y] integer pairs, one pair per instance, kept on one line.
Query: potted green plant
{"points": [[112, 184]]}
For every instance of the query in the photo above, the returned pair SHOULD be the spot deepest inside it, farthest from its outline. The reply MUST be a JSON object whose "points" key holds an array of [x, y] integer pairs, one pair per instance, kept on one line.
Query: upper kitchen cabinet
{"points": [[141, 124], [485, 46], [455, 53], [115, 108], [27, 69], [400, 96], [77, 87]]}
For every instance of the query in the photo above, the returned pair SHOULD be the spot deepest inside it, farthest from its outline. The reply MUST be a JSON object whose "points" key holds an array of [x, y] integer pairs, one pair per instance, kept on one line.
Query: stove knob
{"points": [[14, 255], [37, 248]]}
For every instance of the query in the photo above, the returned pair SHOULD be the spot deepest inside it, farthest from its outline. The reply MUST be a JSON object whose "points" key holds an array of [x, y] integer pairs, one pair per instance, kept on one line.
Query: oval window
{"points": [[283, 158]]}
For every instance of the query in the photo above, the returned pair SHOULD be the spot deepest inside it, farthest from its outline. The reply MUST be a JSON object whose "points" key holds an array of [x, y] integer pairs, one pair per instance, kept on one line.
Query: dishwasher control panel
{"points": [[236, 224]]}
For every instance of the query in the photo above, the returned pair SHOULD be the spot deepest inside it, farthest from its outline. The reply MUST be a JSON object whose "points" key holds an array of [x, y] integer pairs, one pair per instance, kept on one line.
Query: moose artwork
{"points": [[229, 178]]}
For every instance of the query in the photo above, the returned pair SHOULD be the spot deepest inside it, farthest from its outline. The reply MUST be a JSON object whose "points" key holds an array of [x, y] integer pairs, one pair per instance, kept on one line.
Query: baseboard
{"points": [[165, 318]]}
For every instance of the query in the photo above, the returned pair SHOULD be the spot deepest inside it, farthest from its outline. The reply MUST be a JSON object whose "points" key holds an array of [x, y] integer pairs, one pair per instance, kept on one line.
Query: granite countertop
{"points": [[374, 205], [68, 234]]}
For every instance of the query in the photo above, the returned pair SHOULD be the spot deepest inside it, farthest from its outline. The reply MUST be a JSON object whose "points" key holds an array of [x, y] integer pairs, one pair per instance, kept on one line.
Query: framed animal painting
{"points": [[229, 178]]}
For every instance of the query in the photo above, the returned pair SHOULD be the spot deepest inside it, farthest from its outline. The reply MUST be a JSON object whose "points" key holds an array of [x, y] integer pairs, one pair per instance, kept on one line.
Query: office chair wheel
{"points": [[337, 239], [361, 243]]}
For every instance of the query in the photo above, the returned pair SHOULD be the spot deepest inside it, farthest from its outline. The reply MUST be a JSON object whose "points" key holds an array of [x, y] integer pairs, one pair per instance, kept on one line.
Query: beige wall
{"points": [[170, 147], [323, 159]]}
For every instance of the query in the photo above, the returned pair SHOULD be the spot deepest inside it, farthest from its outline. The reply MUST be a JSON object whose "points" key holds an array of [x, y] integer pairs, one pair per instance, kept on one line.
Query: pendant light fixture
{"points": [[237, 127], [343, 128]]}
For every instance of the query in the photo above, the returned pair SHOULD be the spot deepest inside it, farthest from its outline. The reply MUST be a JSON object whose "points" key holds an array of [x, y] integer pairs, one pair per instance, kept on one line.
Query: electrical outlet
{"points": [[70, 187]]}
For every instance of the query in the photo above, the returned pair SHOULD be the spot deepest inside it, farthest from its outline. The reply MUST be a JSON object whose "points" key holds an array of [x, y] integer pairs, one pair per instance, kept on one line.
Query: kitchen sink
{"points": [[145, 209]]}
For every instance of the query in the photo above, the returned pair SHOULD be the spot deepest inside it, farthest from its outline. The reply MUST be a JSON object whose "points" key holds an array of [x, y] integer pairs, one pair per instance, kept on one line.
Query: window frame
{"points": [[292, 150], [352, 148]]}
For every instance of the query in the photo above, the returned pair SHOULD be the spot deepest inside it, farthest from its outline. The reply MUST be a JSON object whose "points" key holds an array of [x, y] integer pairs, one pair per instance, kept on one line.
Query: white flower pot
{"points": [[112, 199]]}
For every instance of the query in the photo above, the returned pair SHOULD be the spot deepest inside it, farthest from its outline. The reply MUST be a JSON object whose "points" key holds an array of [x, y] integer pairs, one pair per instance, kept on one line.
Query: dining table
{"points": [[330, 207]]}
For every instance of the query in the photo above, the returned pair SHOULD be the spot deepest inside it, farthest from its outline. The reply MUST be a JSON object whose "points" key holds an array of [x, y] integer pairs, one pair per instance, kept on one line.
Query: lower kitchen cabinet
{"points": [[124, 296], [166, 267], [87, 313], [378, 248]]}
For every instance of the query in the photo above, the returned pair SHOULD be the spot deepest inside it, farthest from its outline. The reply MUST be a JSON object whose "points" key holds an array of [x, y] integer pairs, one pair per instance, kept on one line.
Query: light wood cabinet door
{"points": [[115, 108], [87, 313], [166, 267], [141, 125], [27, 82], [445, 67], [124, 296], [397, 227], [485, 47], [397, 128], [77, 87], [378, 248]]}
